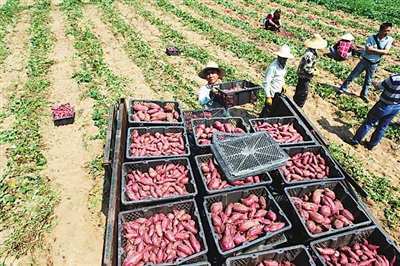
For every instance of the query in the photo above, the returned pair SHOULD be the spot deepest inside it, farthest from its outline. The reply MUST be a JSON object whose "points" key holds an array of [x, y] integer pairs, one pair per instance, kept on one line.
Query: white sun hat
{"points": [[347, 37], [316, 42], [212, 65], [284, 52]]}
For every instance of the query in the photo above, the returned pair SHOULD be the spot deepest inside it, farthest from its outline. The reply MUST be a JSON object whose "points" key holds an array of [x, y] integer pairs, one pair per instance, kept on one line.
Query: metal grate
{"points": [[249, 154]]}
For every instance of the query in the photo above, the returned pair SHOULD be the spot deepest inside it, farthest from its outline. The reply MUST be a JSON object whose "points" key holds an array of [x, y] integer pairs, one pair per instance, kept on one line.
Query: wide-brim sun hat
{"points": [[284, 52], [316, 42], [347, 37], [212, 65]]}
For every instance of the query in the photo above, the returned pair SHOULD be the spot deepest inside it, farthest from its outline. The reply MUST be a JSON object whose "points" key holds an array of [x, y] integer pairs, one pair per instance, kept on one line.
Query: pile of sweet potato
{"points": [[161, 238], [152, 112], [157, 144], [204, 133], [243, 221], [321, 211], [162, 181], [281, 133], [305, 166]]}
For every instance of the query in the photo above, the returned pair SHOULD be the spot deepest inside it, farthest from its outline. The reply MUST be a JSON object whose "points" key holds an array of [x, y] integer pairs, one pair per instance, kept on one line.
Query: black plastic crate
{"points": [[152, 131], [235, 196], [375, 235], [64, 120], [342, 194], [188, 205], [172, 50], [298, 125], [203, 263], [237, 122], [265, 178], [246, 155], [246, 94], [173, 104], [143, 166], [188, 115], [335, 174], [298, 255]]}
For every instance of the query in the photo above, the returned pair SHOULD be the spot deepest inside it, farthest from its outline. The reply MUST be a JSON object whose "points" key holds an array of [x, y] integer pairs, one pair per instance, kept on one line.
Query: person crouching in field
{"points": [[343, 49], [207, 93], [307, 68], [273, 21], [382, 112], [274, 80]]}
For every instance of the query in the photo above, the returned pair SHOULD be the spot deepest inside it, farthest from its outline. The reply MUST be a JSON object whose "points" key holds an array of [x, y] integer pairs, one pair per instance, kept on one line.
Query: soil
{"points": [[77, 238]]}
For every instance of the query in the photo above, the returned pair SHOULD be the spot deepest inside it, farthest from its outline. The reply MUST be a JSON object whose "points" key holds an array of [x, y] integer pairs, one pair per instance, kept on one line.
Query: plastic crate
{"points": [[335, 173], [247, 93], [172, 50], [235, 196], [152, 131], [298, 255], [237, 122], [65, 120], [242, 156], [144, 166], [188, 205], [342, 194], [269, 244], [373, 234], [188, 115], [174, 104], [265, 178], [298, 125]]}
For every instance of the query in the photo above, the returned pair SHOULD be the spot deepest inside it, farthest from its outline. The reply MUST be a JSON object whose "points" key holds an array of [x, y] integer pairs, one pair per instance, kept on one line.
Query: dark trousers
{"points": [[301, 92], [269, 26], [268, 109]]}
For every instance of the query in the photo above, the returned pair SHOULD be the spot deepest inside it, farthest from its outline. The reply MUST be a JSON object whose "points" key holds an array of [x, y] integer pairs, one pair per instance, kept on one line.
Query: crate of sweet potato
{"points": [[309, 164], [165, 234], [286, 131], [154, 181], [156, 142], [203, 129], [64, 114], [325, 208], [237, 92], [243, 218], [188, 115], [363, 246], [153, 112]]}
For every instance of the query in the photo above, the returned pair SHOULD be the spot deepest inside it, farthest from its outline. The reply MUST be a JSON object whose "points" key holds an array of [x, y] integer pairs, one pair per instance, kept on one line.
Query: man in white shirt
{"points": [[274, 80]]}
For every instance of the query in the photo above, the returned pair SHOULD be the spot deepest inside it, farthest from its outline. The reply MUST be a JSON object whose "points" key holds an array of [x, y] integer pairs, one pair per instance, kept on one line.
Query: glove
{"points": [[214, 90], [284, 88], [268, 101], [316, 72]]}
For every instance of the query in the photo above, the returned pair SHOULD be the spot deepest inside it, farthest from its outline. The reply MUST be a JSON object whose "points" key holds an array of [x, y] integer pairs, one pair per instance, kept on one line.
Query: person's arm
{"points": [[369, 49], [267, 82]]}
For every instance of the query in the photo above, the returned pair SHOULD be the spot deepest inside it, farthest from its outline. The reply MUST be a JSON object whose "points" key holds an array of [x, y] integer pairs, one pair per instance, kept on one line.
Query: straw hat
{"points": [[347, 37], [212, 65], [316, 42], [284, 52]]}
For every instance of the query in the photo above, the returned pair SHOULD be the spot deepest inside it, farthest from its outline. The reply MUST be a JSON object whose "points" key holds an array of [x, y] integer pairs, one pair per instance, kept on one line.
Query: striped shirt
{"points": [[391, 90]]}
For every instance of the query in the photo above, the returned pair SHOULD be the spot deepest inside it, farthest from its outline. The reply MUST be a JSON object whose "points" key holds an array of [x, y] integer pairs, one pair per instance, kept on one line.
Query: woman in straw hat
{"points": [[274, 80], [307, 68], [213, 74], [343, 49]]}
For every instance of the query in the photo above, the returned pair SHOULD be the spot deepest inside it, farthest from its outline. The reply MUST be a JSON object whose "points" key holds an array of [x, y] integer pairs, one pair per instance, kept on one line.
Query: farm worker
{"points": [[213, 74], [307, 68], [273, 21], [343, 49], [376, 46], [382, 112], [274, 80]]}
